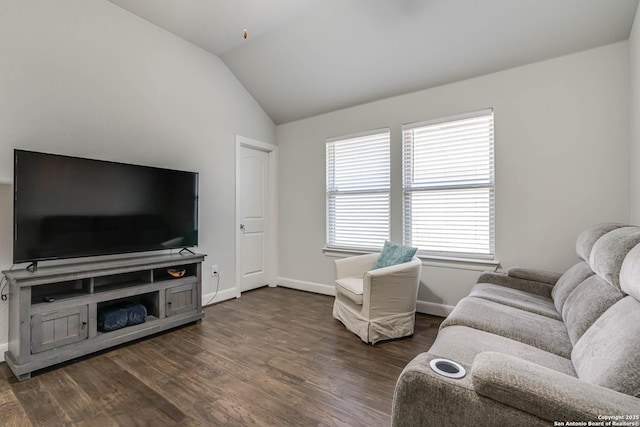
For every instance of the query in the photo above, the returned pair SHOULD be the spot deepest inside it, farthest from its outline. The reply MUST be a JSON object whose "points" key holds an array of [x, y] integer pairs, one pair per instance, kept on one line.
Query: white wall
{"points": [[561, 147], [634, 115], [86, 78]]}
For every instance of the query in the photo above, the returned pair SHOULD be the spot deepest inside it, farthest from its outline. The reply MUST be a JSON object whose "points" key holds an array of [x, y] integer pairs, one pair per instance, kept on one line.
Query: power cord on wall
{"points": [[217, 286], [215, 294]]}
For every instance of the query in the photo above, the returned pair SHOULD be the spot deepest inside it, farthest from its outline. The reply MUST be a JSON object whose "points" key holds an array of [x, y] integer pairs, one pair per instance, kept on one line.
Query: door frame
{"points": [[272, 225]]}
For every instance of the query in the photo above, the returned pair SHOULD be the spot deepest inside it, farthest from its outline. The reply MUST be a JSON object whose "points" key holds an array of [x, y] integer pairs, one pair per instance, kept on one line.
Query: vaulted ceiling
{"points": [[307, 57]]}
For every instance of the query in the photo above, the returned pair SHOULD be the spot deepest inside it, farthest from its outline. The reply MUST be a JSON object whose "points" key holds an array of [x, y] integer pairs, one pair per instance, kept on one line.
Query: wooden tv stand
{"points": [[53, 312]]}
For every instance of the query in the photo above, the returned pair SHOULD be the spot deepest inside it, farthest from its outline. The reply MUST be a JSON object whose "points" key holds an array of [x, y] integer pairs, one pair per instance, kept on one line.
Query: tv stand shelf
{"points": [[53, 311]]}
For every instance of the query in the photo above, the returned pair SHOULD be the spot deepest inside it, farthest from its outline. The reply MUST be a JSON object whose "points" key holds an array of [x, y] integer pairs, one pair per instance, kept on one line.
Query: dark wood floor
{"points": [[275, 357]]}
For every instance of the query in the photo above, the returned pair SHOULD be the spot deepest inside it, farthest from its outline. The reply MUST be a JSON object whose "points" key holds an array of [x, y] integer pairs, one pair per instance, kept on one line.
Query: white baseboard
{"points": [[222, 295], [301, 285], [425, 307], [433, 308], [3, 347]]}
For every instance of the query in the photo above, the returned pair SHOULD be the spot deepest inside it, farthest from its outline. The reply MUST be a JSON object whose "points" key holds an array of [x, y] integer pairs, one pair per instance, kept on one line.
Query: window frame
{"points": [[408, 187], [331, 191]]}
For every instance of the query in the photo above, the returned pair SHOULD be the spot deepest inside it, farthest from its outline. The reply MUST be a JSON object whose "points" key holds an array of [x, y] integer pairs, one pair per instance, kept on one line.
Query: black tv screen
{"points": [[67, 207]]}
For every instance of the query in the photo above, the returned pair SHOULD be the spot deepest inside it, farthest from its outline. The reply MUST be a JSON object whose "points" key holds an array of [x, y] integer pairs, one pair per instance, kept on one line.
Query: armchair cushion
{"points": [[351, 287], [393, 253]]}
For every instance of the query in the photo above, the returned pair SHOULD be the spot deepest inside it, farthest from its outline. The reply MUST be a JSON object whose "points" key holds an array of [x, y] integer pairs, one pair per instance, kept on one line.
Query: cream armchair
{"points": [[376, 304]]}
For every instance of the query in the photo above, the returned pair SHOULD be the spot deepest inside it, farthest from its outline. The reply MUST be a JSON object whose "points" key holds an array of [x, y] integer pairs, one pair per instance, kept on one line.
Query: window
{"points": [[448, 185], [358, 190]]}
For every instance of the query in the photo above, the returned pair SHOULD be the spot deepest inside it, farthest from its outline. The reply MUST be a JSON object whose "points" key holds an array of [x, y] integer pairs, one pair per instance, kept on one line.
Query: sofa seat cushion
{"points": [[516, 298], [520, 325], [351, 287], [462, 344]]}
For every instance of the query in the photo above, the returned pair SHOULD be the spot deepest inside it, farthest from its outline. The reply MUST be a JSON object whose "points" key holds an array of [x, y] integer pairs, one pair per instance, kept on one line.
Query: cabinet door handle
{"points": [[84, 324]]}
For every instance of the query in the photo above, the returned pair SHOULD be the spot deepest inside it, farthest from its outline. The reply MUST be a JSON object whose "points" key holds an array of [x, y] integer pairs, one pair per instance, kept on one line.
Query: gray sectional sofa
{"points": [[538, 348]]}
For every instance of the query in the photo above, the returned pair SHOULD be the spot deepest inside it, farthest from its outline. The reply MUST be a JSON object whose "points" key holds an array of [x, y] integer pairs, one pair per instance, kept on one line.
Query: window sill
{"points": [[341, 253], [427, 260]]}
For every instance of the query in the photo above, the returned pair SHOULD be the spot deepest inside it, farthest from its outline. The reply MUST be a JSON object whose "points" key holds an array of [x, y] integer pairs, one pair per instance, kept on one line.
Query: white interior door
{"points": [[254, 236]]}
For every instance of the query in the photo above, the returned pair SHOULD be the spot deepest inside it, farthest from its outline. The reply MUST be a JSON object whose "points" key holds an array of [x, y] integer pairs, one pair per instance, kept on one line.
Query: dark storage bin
{"points": [[120, 315]]}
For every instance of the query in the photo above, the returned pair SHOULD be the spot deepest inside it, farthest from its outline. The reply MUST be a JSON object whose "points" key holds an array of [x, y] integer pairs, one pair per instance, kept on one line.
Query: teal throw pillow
{"points": [[393, 254]]}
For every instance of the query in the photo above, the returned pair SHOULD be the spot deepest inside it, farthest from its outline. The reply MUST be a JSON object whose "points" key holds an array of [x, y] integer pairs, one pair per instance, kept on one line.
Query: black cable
{"points": [[216, 292], [4, 282], [3, 295]]}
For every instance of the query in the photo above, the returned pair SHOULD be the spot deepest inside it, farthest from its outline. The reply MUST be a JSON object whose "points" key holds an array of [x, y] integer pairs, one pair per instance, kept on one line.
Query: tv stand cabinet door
{"points": [[181, 299], [57, 328]]}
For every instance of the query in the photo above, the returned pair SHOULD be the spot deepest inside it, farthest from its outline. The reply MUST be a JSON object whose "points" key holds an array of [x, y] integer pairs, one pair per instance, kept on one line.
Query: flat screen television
{"points": [[68, 207]]}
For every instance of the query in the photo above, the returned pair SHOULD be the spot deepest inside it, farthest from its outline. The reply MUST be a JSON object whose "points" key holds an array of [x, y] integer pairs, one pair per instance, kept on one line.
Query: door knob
{"points": [[242, 227]]}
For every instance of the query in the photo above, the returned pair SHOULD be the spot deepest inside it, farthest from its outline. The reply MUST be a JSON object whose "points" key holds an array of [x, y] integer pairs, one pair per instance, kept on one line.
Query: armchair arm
{"points": [[538, 288], [398, 269], [548, 277], [392, 289], [545, 393], [354, 266]]}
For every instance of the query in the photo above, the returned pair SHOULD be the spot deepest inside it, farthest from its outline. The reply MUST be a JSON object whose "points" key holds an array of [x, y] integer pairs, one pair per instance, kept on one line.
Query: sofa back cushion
{"points": [[586, 303], [568, 282], [630, 273], [608, 353], [586, 239], [609, 252]]}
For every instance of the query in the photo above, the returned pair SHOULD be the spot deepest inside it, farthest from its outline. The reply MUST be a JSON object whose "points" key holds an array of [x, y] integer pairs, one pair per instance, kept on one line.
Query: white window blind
{"points": [[448, 183], [358, 190]]}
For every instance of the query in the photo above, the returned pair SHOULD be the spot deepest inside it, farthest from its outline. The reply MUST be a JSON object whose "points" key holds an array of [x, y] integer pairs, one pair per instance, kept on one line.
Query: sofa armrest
{"points": [[425, 398], [354, 266], [545, 393], [548, 277], [538, 288]]}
